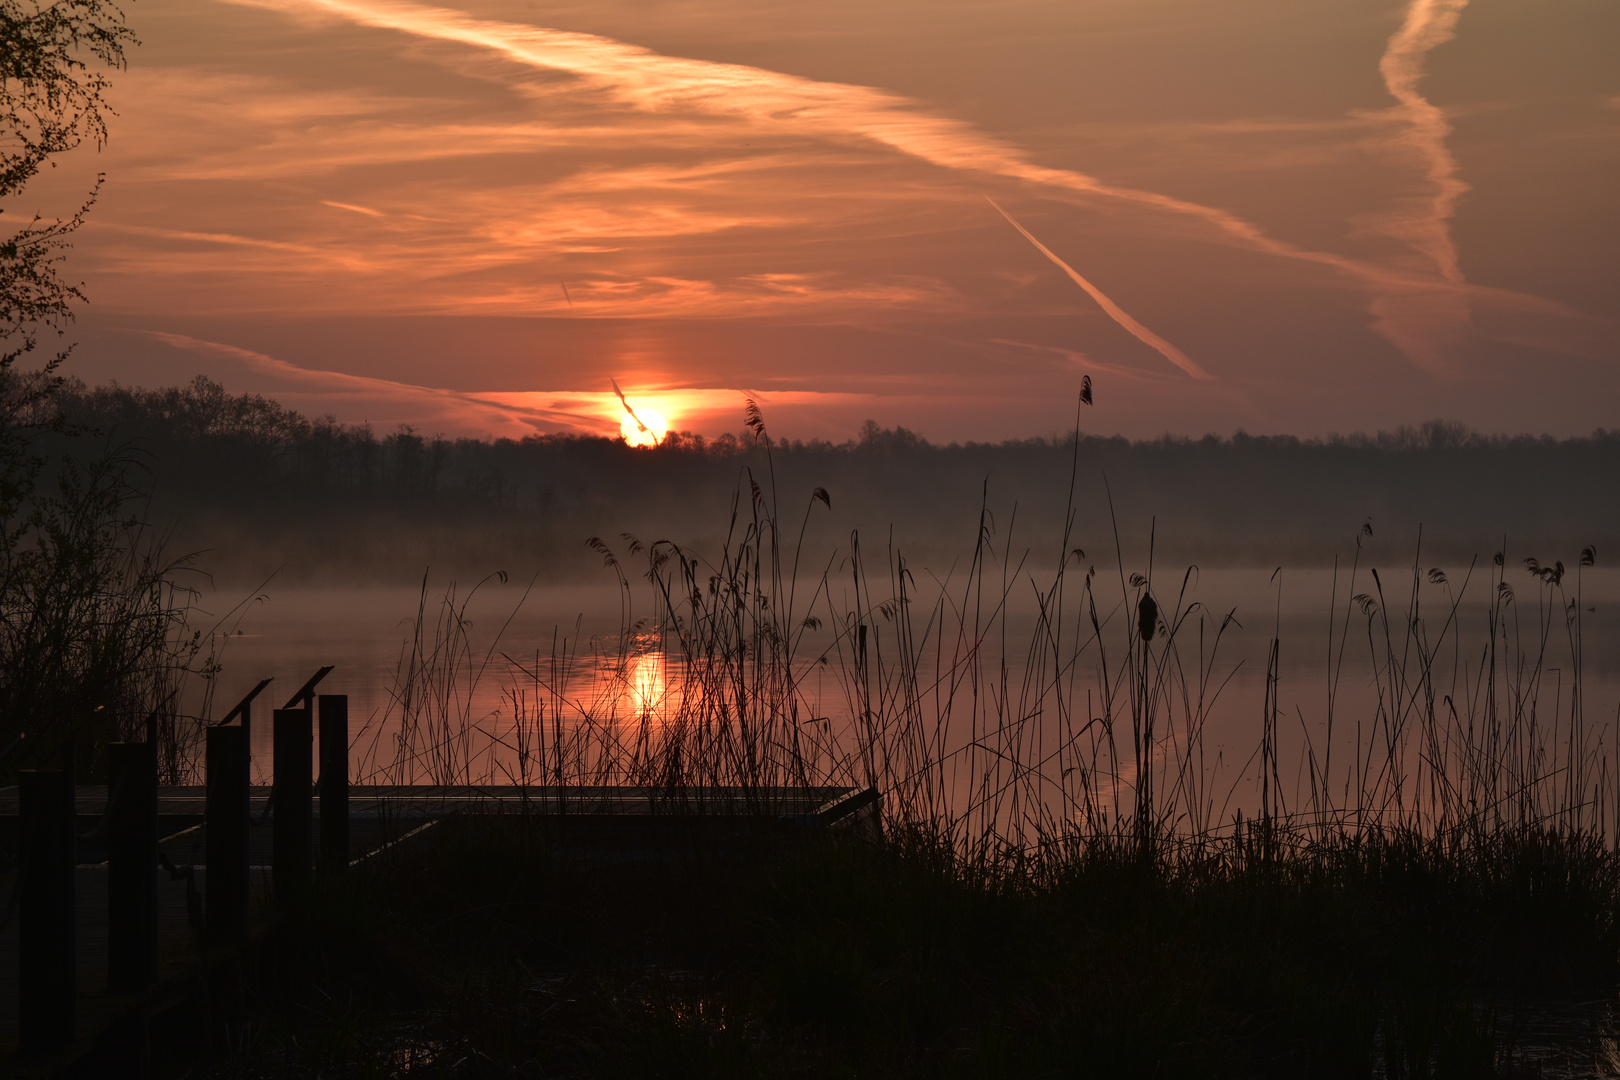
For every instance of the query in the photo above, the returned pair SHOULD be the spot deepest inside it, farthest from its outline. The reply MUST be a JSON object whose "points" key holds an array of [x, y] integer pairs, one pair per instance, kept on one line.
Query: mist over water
{"points": [[263, 492], [365, 633], [890, 596]]}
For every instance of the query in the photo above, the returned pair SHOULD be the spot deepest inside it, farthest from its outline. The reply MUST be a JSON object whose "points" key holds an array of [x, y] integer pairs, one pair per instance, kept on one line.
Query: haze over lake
{"points": [[365, 633]]}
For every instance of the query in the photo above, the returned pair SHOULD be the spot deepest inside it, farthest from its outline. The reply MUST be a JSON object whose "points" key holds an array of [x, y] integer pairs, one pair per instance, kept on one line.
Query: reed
{"points": [[97, 623], [1021, 736], [1073, 878], [1020, 711], [430, 722]]}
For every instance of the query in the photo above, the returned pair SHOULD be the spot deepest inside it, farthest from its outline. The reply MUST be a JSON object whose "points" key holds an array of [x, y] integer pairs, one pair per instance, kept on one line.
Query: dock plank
{"points": [[379, 815]]}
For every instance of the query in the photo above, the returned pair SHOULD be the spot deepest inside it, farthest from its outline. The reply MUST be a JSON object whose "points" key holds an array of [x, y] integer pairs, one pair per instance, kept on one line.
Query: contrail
{"points": [[340, 383], [657, 83], [627, 407], [1428, 23], [1421, 311], [1136, 329]]}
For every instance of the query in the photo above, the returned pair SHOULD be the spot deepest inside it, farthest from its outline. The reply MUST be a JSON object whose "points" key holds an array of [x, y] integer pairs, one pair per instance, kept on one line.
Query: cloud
{"points": [[241, 216], [1424, 306], [513, 414], [466, 166], [421, 404], [652, 83], [1429, 316], [366, 210], [1426, 226]]}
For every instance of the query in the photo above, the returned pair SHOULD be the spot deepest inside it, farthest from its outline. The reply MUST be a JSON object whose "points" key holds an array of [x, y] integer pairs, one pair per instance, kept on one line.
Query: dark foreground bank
{"points": [[492, 951]]}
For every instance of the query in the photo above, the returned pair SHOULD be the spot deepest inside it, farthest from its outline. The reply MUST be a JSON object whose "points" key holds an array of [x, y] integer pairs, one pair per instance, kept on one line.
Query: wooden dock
{"points": [[616, 822], [181, 891], [182, 807]]}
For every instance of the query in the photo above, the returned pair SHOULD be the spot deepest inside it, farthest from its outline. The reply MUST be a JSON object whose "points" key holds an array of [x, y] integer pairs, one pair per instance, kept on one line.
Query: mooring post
{"points": [[132, 855], [334, 710], [45, 910], [244, 713], [225, 838], [290, 792]]}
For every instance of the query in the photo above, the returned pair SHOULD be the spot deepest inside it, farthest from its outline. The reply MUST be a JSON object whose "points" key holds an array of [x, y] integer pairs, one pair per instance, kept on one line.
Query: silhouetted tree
{"points": [[89, 611], [52, 84]]}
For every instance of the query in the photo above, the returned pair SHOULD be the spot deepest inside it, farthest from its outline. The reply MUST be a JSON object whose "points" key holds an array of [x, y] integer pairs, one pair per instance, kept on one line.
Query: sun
{"points": [[633, 433]]}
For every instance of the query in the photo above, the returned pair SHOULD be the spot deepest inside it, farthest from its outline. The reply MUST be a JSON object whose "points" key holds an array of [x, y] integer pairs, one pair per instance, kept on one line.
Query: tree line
{"points": [[261, 487]]}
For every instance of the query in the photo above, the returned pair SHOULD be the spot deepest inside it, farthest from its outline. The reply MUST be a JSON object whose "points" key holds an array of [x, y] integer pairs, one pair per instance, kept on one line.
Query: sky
{"points": [[1259, 214]]}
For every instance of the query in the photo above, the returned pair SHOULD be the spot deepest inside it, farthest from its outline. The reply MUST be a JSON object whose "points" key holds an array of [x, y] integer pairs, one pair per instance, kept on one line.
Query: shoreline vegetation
{"points": [[96, 644], [1069, 881], [496, 949]]}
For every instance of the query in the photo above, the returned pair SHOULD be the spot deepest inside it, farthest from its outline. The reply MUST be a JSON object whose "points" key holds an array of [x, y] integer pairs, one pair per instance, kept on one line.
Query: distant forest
{"points": [[258, 487]]}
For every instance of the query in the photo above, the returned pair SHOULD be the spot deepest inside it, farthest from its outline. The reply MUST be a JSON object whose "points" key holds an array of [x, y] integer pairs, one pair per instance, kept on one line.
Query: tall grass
{"points": [[429, 722], [1084, 872], [97, 640], [1023, 705]]}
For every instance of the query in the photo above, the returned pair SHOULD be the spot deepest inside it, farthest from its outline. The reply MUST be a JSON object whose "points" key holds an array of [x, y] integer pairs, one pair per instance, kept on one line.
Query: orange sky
{"points": [[1259, 214]]}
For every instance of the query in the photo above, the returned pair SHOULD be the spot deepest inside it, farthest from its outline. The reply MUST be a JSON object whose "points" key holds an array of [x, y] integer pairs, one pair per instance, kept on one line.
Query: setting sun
{"points": [[650, 432]]}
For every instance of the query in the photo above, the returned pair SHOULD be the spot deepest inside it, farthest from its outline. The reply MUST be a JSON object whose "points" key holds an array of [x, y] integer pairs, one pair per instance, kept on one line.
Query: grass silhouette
{"points": [[1066, 883]]}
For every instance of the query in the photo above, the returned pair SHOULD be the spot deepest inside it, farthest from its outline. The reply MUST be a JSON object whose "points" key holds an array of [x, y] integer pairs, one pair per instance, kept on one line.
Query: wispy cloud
{"points": [[366, 210], [1428, 317], [655, 83], [1115, 312], [684, 223], [405, 400], [1427, 227], [510, 413]]}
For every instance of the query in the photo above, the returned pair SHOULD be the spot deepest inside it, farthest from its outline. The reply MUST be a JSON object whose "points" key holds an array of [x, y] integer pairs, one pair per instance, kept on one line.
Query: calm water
{"points": [[364, 633]]}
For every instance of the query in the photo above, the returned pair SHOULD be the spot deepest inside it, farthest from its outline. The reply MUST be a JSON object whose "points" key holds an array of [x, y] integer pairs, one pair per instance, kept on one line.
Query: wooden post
{"points": [[334, 710], [244, 712], [45, 960], [132, 854], [225, 838], [247, 737], [290, 792]]}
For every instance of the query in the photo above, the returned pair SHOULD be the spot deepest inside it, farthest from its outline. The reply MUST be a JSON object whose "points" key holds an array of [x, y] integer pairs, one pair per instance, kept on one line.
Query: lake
{"points": [[513, 633]]}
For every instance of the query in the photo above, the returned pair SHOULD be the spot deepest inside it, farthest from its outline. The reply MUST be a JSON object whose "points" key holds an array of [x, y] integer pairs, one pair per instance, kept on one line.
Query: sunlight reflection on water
{"points": [[610, 676], [646, 689]]}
